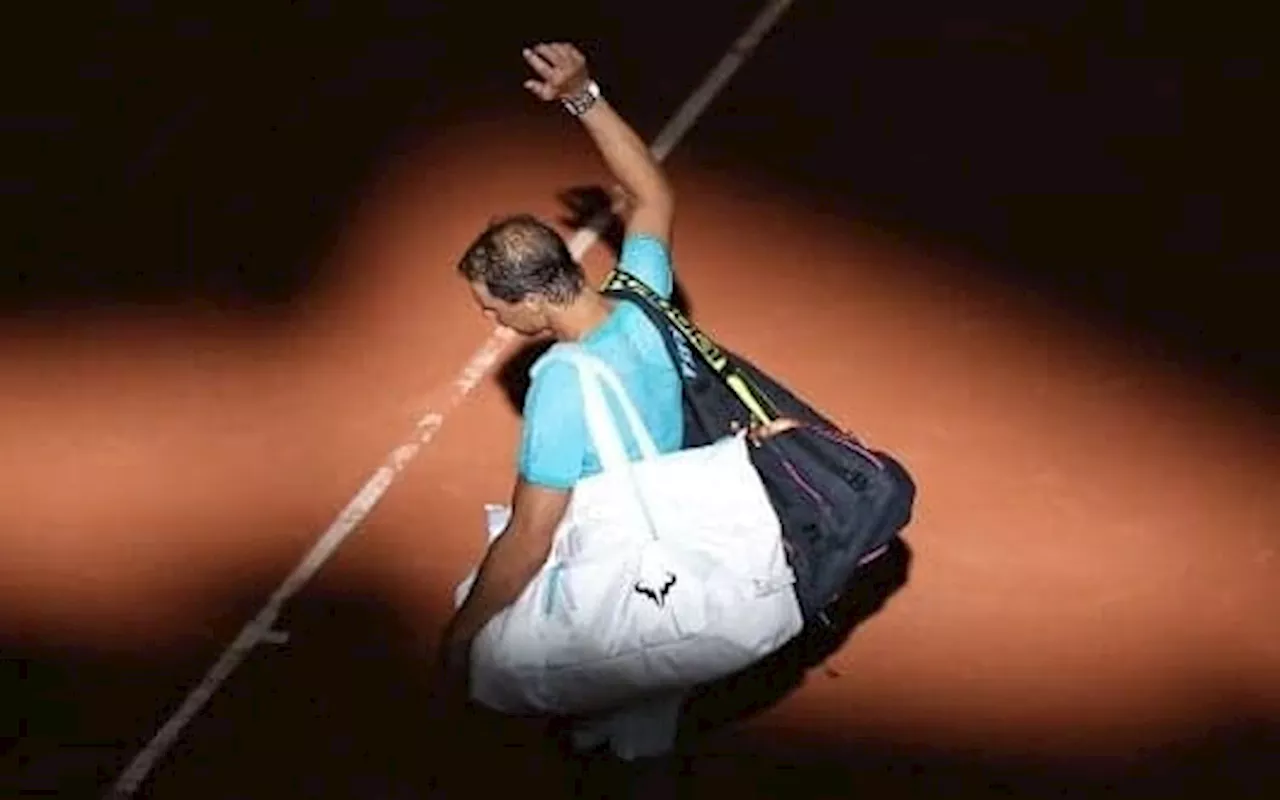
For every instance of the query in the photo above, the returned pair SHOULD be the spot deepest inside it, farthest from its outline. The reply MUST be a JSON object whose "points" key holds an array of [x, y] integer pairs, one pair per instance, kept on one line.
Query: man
{"points": [[523, 276]]}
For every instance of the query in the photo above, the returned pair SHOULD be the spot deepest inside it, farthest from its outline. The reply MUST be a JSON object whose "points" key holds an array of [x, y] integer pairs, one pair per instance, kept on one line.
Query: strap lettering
{"points": [[756, 403], [715, 358]]}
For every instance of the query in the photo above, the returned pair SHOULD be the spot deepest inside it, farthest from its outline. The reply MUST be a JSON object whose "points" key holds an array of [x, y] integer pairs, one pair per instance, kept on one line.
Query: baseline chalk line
{"points": [[261, 628]]}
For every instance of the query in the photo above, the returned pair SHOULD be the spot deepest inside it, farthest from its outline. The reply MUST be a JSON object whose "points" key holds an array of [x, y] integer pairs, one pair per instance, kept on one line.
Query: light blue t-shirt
{"points": [[555, 447]]}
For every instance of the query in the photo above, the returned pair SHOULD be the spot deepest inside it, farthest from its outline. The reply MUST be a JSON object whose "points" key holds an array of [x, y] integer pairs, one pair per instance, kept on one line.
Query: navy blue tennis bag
{"points": [[840, 503]]}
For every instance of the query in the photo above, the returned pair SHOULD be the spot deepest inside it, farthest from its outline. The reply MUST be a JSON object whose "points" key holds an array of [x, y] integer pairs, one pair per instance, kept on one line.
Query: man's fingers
{"points": [[565, 54], [554, 62], [539, 64], [549, 53], [542, 92]]}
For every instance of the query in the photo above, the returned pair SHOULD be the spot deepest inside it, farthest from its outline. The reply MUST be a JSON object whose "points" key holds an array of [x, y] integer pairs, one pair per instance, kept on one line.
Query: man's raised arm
{"points": [[564, 77]]}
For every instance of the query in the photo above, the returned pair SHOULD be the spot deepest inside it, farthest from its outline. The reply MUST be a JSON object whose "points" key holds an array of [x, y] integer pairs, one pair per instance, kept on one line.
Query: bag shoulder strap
{"points": [[594, 375], [669, 320]]}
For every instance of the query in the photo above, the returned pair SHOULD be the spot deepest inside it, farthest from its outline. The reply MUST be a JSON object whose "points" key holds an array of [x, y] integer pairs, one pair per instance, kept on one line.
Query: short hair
{"points": [[520, 255]]}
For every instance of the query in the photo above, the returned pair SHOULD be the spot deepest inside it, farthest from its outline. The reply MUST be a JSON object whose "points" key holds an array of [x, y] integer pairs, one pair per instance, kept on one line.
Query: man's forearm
{"points": [[510, 564], [625, 153]]}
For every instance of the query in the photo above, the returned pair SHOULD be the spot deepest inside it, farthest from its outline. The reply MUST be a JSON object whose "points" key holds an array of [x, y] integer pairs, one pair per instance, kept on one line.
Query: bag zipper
{"points": [[848, 441], [794, 472]]}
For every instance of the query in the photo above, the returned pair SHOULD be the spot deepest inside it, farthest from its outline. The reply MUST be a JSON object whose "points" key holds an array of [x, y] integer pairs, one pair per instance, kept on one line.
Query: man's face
{"points": [[524, 316]]}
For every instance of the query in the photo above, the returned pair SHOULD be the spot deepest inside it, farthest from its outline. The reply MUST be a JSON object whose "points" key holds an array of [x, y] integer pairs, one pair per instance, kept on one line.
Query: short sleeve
{"points": [[649, 259], [553, 442]]}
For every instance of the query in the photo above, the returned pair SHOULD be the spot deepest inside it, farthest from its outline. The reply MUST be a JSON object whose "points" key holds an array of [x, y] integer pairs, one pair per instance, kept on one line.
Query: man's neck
{"points": [[581, 317]]}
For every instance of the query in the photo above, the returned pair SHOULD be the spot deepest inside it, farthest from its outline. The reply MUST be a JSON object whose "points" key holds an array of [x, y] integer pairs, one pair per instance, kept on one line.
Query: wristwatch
{"points": [[580, 103]]}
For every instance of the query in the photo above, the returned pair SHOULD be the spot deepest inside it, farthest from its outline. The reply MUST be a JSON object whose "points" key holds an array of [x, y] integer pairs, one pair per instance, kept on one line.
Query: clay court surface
{"points": [[1094, 567], [1094, 541]]}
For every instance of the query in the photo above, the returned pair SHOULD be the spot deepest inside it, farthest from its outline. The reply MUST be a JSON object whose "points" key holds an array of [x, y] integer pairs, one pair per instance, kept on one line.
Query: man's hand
{"points": [[562, 68], [510, 563], [563, 74], [451, 681], [512, 560], [450, 678]]}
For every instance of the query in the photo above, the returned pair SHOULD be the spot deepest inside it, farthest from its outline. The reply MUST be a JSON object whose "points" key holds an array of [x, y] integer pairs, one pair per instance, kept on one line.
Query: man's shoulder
{"points": [[645, 341], [552, 390], [552, 363], [647, 258]]}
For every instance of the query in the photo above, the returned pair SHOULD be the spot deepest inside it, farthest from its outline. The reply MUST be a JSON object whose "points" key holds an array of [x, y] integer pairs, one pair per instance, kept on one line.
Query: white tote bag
{"points": [[666, 572]]}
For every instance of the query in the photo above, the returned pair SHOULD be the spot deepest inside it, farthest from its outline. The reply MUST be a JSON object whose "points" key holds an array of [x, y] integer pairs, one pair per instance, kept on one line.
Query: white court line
{"points": [[260, 628]]}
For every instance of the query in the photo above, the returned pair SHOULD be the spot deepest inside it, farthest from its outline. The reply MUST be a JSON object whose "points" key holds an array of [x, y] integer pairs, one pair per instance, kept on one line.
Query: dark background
{"points": [[1116, 156]]}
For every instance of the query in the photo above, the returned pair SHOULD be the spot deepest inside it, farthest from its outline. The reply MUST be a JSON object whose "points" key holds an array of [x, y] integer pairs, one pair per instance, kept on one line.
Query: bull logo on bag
{"points": [[659, 595]]}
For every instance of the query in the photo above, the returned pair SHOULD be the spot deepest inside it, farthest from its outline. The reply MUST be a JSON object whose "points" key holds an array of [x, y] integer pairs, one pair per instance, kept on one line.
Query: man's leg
{"points": [[642, 730], [630, 752]]}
